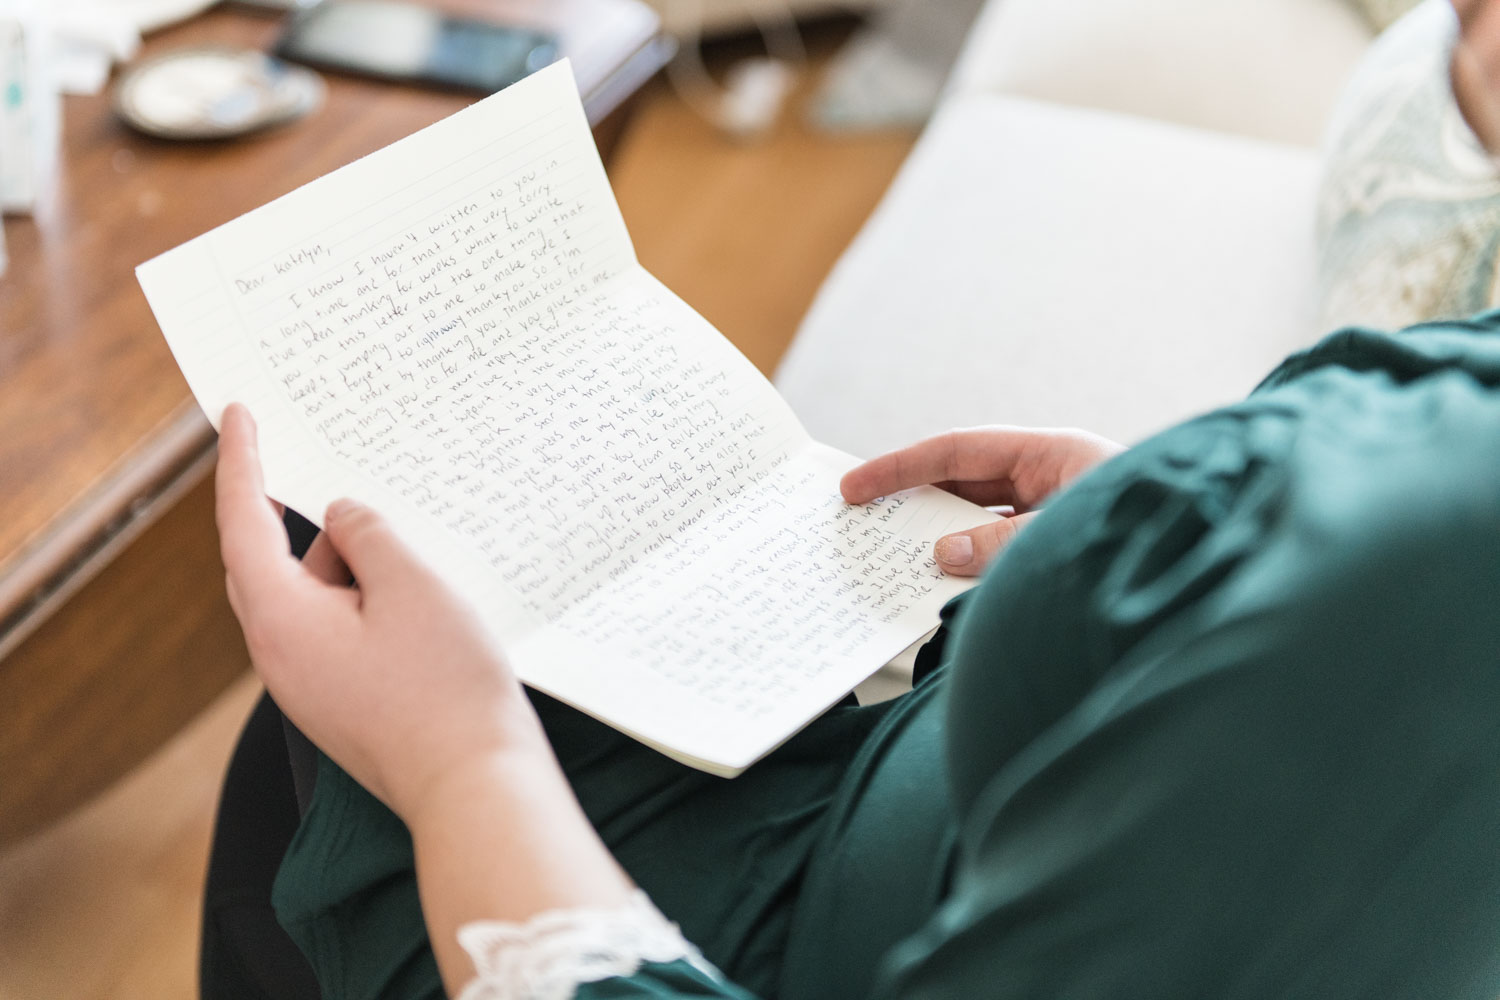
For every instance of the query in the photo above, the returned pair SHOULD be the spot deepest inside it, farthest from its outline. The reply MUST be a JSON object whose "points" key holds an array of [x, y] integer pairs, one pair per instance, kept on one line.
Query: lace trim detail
{"points": [[549, 956]]}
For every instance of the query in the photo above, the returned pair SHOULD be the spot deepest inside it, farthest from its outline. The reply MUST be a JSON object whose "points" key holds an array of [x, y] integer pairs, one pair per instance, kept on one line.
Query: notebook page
{"points": [[455, 331], [428, 329], [750, 622]]}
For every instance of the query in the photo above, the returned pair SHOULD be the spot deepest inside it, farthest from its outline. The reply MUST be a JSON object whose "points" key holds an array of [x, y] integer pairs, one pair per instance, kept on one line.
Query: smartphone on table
{"points": [[406, 42]]}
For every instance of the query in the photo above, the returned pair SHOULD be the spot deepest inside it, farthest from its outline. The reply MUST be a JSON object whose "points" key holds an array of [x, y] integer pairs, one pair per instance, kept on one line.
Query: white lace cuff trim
{"points": [[549, 956]]}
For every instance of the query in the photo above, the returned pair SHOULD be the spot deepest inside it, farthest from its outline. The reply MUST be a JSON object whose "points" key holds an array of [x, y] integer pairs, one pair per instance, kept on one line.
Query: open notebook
{"points": [[455, 330]]}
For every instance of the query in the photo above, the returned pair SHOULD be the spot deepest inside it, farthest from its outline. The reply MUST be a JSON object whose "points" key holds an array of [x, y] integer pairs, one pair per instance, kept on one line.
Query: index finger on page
{"points": [[973, 455], [251, 538]]}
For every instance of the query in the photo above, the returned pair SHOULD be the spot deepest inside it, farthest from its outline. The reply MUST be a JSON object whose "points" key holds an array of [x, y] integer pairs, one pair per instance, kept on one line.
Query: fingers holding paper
{"points": [[251, 538], [396, 680], [323, 562], [969, 553], [1013, 467]]}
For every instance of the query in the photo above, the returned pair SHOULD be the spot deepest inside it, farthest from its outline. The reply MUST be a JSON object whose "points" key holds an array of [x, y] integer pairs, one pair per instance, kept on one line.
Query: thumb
{"points": [[367, 545], [969, 553]]}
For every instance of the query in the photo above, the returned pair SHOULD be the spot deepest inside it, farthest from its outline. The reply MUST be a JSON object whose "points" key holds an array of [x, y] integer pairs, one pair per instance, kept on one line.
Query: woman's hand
{"points": [[398, 683], [395, 680], [990, 466], [1476, 68]]}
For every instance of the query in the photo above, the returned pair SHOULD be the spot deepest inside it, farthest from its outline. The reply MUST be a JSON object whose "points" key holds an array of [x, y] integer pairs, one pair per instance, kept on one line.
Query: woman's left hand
{"points": [[1016, 467], [395, 679]]}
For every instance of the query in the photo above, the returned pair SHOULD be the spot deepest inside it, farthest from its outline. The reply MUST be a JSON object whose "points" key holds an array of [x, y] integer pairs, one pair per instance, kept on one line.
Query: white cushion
{"points": [[1270, 69], [1041, 265]]}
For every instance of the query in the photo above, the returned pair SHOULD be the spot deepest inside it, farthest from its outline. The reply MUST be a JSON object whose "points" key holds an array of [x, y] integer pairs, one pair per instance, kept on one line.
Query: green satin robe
{"points": [[1223, 722]]}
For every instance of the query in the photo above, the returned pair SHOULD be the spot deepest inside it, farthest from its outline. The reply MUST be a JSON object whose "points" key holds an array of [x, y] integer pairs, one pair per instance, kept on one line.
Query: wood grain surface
{"points": [[136, 654], [114, 629], [92, 407]]}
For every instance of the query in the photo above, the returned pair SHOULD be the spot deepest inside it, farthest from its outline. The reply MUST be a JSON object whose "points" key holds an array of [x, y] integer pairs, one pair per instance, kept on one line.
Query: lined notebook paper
{"points": [[455, 331]]}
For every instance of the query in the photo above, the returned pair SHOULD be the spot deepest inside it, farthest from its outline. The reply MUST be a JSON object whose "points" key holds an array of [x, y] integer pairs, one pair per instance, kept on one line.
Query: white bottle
{"points": [[30, 107]]}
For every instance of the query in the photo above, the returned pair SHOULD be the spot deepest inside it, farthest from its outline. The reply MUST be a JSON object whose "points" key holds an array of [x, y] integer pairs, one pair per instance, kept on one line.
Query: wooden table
{"points": [[113, 626]]}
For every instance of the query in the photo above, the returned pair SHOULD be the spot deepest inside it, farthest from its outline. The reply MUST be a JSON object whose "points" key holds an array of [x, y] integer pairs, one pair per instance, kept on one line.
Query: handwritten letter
{"points": [[455, 330]]}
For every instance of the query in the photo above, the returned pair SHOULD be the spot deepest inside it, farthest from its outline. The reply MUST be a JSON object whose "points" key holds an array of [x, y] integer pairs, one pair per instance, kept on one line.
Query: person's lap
{"points": [[1213, 740], [722, 858]]}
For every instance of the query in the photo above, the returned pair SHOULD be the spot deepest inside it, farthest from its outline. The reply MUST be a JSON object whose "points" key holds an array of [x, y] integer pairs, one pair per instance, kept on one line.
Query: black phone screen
{"points": [[405, 42]]}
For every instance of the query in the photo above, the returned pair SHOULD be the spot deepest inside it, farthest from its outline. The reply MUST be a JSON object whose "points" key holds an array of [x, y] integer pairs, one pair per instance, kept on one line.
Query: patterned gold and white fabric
{"points": [[1409, 208], [1383, 13]]}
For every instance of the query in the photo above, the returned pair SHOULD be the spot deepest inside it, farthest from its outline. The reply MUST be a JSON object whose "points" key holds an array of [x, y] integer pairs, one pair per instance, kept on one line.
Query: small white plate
{"points": [[214, 93]]}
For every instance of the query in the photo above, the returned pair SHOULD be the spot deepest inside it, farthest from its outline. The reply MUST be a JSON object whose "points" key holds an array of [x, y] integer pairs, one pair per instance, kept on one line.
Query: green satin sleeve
{"points": [[1225, 720]]}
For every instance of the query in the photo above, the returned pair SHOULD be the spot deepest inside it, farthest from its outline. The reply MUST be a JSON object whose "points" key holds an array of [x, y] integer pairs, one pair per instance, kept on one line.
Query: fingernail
{"points": [[955, 550], [339, 508]]}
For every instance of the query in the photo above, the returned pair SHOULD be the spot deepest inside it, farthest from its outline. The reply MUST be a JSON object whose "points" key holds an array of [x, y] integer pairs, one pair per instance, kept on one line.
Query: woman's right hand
{"points": [[395, 679], [398, 682], [1015, 467]]}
